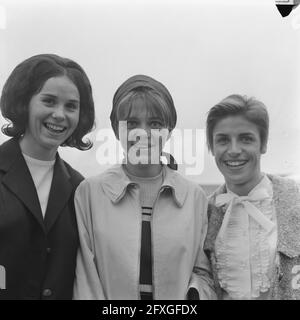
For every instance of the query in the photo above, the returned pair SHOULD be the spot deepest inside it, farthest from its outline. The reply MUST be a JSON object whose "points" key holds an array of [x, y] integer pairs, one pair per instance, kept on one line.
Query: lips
{"points": [[144, 146], [55, 128], [235, 163]]}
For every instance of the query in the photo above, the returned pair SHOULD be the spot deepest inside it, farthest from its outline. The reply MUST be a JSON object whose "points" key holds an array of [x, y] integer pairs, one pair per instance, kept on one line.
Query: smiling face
{"points": [[142, 135], [53, 115], [237, 150]]}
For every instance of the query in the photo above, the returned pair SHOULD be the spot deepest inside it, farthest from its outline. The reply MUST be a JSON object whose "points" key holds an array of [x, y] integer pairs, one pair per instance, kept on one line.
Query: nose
{"points": [[59, 113], [146, 128], [234, 148]]}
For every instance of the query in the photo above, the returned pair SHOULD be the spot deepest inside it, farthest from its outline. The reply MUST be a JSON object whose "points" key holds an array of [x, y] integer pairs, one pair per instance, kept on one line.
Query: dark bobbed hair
{"points": [[237, 105], [28, 78], [153, 94]]}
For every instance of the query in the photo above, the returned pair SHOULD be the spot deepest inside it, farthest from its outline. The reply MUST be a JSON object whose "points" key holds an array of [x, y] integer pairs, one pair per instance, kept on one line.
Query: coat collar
{"points": [[116, 183], [286, 197], [18, 179]]}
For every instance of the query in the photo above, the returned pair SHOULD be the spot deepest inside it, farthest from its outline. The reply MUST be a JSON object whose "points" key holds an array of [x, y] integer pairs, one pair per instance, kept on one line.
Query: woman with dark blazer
{"points": [[48, 102]]}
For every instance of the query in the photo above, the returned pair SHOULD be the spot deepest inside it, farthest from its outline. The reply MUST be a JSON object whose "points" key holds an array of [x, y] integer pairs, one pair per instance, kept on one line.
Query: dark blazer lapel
{"points": [[60, 193], [18, 178]]}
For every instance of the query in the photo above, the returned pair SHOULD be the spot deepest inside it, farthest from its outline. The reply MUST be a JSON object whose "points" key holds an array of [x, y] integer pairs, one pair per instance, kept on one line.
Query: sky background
{"points": [[201, 50]]}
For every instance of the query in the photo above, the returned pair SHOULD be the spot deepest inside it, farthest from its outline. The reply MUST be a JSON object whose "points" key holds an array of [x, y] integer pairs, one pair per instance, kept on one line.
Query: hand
{"points": [[193, 294]]}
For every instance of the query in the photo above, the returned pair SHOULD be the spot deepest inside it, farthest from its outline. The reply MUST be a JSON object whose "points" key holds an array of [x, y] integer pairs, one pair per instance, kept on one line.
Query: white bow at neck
{"points": [[232, 199]]}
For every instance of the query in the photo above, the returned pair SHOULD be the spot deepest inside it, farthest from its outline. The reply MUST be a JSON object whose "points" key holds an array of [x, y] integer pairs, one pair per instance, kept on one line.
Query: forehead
{"points": [[140, 107], [235, 125], [60, 86]]}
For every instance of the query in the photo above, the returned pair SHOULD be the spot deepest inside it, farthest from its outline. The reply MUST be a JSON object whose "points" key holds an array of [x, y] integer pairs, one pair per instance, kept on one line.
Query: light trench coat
{"points": [[109, 221]]}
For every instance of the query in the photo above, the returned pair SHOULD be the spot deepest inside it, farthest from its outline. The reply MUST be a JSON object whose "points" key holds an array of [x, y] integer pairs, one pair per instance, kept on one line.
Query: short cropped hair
{"points": [[237, 105], [28, 78], [153, 94]]}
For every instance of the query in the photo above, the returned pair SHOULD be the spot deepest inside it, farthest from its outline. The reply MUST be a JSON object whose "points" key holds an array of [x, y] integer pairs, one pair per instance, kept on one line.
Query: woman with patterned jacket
{"points": [[253, 239]]}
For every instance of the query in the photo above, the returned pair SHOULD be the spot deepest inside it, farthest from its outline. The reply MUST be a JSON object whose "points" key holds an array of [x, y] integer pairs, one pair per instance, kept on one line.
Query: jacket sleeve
{"points": [[87, 285], [201, 284]]}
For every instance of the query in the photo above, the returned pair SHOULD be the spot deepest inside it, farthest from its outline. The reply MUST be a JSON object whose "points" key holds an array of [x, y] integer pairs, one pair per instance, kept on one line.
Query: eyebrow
{"points": [[132, 118], [155, 118], [221, 134], [247, 134], [54, 96], [149, 119], [240, 134]]}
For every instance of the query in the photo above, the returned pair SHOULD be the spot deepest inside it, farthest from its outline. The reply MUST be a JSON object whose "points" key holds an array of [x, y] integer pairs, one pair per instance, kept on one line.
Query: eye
{"points": [[48, 101], [72, 106], [156, 125], [131, 124], [221, 140], [247, 139]]}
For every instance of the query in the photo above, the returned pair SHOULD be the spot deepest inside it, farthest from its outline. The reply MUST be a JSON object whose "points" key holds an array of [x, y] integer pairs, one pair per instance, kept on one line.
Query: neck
{"points": [[144, 170], [243, 189], [31, 149]]}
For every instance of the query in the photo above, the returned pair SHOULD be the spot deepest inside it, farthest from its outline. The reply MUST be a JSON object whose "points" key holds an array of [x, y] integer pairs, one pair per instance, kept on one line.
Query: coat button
{"points": [[47, 293]]}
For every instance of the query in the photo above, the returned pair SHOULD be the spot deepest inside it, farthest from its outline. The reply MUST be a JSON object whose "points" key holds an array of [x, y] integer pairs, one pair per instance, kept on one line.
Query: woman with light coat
{"points": [[141, 224]]}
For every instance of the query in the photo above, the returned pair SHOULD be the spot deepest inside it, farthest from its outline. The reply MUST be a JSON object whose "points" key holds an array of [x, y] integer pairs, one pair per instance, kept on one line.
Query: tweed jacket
{"points": [[285, 282]]}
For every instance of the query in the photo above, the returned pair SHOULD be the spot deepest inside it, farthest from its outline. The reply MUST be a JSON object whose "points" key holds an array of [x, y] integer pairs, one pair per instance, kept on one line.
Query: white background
{"points": [[201, 50]]}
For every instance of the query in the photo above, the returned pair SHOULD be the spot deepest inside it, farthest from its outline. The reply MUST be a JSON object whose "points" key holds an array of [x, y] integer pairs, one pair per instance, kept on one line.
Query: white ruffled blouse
{"points": [[246, 243]]}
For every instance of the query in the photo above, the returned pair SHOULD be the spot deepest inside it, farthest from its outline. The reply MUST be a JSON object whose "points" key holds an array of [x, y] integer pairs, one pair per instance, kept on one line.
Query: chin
{"points": [[51, 144], [239, 181]]}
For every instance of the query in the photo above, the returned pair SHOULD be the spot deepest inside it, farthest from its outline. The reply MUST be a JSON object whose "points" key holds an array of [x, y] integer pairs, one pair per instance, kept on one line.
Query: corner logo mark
{"points": [[285, 7]]}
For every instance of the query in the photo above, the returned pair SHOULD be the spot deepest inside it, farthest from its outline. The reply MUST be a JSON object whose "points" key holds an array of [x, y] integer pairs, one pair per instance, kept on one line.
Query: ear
{"points": [[211, 149], [169, 135], [263, 148]]}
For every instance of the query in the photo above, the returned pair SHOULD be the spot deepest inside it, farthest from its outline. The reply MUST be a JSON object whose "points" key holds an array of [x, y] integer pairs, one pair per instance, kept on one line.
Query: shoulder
{"points": [[110, 177], [6, 144], [2, 147], [191, 187], [284, 188], [9, 149], [283, 182], [113, 173], [212, 197], [76, 177], [216, 214]]}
